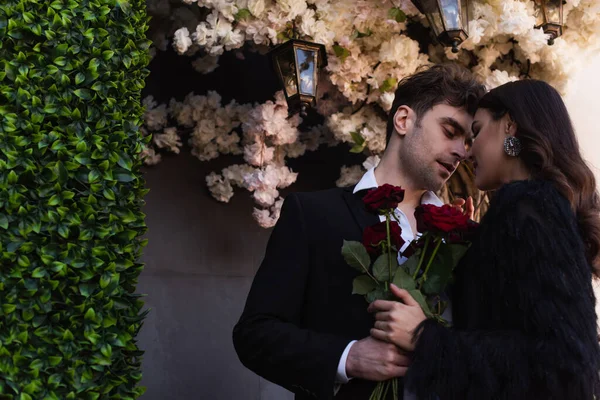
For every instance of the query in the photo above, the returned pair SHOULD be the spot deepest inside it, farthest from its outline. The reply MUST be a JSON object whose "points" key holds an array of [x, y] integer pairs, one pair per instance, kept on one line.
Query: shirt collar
{"points": [[368, 181]]}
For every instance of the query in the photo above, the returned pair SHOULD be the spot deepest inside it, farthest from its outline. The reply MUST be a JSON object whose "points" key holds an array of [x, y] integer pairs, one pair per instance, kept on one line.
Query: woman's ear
{"points": [[510, 126]]}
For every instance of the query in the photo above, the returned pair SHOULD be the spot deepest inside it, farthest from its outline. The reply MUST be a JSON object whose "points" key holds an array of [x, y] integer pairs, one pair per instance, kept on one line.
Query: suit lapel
{"points": [[358, 210]]}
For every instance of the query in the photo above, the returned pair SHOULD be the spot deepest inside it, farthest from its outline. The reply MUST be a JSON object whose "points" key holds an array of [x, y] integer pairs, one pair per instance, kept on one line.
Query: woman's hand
{"points": [[465, 206], [396, 322]]}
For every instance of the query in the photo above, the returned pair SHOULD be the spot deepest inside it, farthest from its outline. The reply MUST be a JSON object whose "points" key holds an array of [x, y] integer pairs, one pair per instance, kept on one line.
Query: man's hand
{"points": [[375, 360], [465, 206]]}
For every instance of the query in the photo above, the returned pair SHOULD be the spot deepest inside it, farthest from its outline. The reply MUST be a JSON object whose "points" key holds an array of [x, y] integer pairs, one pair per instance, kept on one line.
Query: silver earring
{"points": [[512, 146]]}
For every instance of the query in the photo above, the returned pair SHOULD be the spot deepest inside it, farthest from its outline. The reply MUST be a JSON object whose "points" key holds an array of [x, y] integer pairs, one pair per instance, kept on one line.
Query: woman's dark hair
{"points": [[551, 151], [447, 83]]}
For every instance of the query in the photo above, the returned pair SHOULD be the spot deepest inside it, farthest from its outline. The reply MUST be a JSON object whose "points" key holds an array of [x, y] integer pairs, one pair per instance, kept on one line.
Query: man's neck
{"points": [[393, 176]]}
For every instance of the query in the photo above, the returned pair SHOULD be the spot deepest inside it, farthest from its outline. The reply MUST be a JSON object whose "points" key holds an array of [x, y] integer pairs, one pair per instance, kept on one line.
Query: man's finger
{"points": [[403, 360], [379, 335], [381, 325], [403, 295], [380, 305], [383, 316], [401, 371]]}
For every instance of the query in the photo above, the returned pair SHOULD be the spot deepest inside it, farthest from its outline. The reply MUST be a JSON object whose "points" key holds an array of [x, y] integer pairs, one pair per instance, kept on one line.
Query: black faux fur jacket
{"points": [[523, 309]]}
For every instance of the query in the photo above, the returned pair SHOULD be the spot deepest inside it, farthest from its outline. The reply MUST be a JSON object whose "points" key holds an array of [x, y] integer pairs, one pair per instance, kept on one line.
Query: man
{"points": [[302, 328]]}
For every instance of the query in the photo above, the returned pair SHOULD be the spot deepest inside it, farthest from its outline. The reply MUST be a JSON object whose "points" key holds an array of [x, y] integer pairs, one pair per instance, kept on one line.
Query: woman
{"points": [[523, 305]]}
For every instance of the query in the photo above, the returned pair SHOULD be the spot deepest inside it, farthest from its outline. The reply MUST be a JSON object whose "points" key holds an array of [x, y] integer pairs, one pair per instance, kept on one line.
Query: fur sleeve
{"points": [[537, 338]]}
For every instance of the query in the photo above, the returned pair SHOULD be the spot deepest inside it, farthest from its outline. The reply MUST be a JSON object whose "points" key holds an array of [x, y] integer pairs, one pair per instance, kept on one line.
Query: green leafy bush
{"points": [[71, 73]]}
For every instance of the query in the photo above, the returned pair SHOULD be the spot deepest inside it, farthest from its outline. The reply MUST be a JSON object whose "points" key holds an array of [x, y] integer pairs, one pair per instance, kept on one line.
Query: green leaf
{"points": [[61, 172], [90, 315], [357, 149], [54, 200], [242, 14], [356, 255], [3, 221], [60, 61], [357, 138], [412, 263], [457, 252], [389, 85], [93, 176], [12, 177], [106, 350], [418, 296], [38, 273], [381, 268], [125, 162], [63, 231], [356, 34], [379, 294], [124, 176], [84, 94], [68, 336], [86, 289], [79, 78], [397, 14], [440, 271], [341, 52], [83, 159], [55, 360], [108, 54], [109, 194], [403, 280], [363, 284], [8, 308]]}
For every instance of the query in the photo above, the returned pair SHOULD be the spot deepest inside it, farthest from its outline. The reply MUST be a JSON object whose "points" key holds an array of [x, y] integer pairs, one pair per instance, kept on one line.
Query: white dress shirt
{"points": [[368, 181]]}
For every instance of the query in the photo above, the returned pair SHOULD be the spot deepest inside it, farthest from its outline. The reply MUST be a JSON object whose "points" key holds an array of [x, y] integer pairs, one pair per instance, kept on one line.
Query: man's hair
{"points": [[440, 84]]}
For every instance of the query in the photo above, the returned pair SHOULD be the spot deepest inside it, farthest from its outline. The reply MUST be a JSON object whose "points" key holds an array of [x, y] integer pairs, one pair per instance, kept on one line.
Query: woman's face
{"points": [[487, 152]]}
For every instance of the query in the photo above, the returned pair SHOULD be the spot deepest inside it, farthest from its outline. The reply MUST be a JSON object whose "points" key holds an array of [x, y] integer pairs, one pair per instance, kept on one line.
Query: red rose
{"points": [[446, 220], [384, 197], [374, 235]]}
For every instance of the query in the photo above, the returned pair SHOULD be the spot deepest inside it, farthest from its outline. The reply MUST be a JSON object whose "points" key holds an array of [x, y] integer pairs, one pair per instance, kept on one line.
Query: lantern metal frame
{"points": [[299, 101], [447, 35], [552, 28]]}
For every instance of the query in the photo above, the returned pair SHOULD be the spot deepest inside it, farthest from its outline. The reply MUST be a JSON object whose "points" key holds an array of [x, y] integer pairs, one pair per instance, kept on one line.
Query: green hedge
{"points": [[71, 73]]}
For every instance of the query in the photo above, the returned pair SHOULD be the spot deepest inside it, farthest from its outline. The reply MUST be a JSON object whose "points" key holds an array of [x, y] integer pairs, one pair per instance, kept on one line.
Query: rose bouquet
{"points": [[445, 234]]}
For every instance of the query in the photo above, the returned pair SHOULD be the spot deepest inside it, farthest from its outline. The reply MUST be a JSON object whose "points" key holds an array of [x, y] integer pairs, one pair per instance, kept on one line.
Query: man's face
{"points": [[433, 149]]}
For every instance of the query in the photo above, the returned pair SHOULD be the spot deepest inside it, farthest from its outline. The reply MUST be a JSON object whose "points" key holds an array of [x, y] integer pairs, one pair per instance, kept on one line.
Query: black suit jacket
{"points": [[300, 313]]}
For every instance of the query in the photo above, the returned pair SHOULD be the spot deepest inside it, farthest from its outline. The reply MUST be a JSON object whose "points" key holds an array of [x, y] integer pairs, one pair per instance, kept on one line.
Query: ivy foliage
{"points": [[71, 192]]}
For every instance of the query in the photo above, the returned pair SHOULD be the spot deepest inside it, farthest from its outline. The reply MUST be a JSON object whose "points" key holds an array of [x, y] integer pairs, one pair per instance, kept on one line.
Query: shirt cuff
{"points": [[340, 376]]}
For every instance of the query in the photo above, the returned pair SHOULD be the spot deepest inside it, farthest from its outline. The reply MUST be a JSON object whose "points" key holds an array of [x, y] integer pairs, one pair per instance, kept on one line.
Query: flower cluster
{"points": [[369, 48]]}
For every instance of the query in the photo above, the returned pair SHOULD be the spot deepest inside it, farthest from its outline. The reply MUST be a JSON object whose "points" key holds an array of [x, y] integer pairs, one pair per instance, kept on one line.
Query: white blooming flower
{"points": [[349, 176], [182, 40], [498, 78], [368, 52], [219, 187], [256, 7], [149, 156], [168, 139], [371, 162], [206, 64]]}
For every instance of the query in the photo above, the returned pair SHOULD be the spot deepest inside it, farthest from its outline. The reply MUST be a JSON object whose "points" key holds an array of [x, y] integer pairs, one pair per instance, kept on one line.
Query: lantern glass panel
{"points": [[307, 60], [287, 70], [452, 13], [431, 10], [553, 11]]}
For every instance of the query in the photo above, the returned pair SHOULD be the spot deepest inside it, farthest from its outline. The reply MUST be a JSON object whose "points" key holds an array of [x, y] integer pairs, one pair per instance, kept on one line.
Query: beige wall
{"points": [[583, 101], [584, 106]]}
